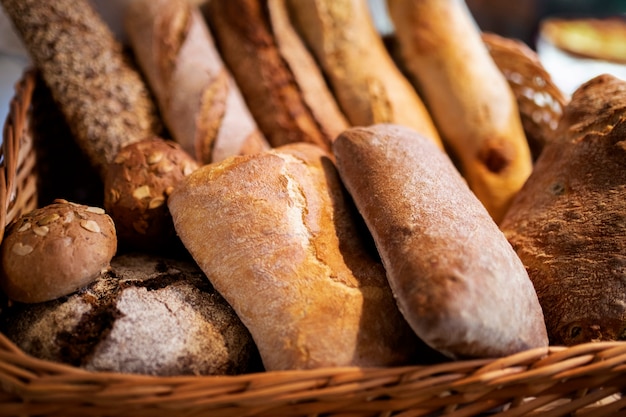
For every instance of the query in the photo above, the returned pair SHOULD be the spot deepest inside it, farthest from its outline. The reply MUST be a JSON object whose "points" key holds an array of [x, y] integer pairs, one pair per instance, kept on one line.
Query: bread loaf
{"points": [[455, 277], [278, 238], [469, 98], [284, 88], [147, 315], [101, 94], [198, 98], [368, 86], [567, 222], [54, 250]]}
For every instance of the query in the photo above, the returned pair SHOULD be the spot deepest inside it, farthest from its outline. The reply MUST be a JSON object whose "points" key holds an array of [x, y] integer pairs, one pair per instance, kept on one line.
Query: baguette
{"points": [[297, 271], [101, 94], [567, 222], [469, 98], [284, 88], [456, 279], [369, 87], [197, 96]]}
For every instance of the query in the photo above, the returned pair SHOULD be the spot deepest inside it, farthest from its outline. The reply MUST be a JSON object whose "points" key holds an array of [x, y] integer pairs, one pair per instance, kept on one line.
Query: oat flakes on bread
{"points": [[54, 250]]}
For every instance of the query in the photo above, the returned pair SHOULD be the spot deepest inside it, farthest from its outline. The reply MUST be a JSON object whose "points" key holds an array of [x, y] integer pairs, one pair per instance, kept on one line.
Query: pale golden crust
{"points": [[567, 223], [55, 250], [105, 101], [454, 275], [201, 104], [291, 261]]}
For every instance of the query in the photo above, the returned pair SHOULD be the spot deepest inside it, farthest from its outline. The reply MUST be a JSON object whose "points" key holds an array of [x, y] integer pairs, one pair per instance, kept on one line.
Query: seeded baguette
{"points": [[197, 96], [103, 97], [367, 84], [456, 279], [469, 98], [298, 270], [54, 250], [284, 88]]}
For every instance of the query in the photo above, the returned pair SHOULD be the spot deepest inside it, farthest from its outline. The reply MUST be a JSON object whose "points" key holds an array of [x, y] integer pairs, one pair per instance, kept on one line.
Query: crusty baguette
{"points": [[567, 222], [279, 79], [469, 98], [276, 235], [103, 97], [200, 102], [369, 87], [455, 277]]}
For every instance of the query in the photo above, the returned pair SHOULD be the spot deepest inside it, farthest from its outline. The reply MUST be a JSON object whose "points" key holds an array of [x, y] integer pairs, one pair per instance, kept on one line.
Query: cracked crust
{"points": [[292, 260]]}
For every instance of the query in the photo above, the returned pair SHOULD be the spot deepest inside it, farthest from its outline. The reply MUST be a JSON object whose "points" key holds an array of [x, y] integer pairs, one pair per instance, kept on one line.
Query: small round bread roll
{"points": [[148, 314], [55, 250], [137, 184]]}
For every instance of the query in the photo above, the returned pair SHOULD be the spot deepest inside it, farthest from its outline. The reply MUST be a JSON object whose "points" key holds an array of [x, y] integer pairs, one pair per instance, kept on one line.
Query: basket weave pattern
{"points": [[585, 380]]}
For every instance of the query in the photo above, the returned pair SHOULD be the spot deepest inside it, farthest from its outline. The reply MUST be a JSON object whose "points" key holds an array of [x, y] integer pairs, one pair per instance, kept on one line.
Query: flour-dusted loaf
{"points": [[285, 90], [568, 222], [468, 97], [456, 279], [147, 315], [198, 98], [101, 94], [54, 250], [280, 240], [369, 87]]}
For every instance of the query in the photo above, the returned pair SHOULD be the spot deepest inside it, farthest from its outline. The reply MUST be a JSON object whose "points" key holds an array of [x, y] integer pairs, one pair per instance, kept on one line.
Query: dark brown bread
{"points": [[456, 279], [283, 87], [198, 98], [567, 223], [289, 257], [102, 96], [147, 315]]}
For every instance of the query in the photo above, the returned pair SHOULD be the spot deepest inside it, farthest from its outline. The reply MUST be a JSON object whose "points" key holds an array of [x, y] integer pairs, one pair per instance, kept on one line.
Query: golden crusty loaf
{"points": [[455, 277], [469, 98], [104, 99], [567, 224], [367, 84], [54, 250], [200, 102], [284, 88], [276, 235]]}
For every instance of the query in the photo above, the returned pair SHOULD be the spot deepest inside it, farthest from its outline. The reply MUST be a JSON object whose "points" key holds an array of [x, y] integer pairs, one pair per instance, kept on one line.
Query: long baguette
{"points": [[468, 97], [103, 97], [280, 81], [369, 87], [198, 98]]}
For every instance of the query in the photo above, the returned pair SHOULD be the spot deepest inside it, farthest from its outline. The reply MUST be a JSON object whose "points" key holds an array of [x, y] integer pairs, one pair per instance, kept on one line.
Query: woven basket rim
{"points": [[554, 380]]}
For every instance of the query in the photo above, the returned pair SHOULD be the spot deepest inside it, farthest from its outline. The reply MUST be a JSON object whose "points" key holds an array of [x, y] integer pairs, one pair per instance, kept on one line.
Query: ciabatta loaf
{"points": [[455, 277], [279, 239]]}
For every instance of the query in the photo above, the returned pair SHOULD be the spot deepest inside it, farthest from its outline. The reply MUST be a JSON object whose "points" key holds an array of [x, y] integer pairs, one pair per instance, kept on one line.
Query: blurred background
{"points": [[519, 19]]}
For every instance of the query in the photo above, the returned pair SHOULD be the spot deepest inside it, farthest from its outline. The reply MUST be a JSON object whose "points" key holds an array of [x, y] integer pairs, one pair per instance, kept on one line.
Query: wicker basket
{"points": [[585, 380]]}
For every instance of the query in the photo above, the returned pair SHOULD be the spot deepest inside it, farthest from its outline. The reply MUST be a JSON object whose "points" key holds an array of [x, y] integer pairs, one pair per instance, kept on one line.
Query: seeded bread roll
{"points": [[103, 97], [298, 270], [55, 250], [198, 98], [368, 85], [455, 277], [469, 99], [284, 88], [147, 315], [136, 187]]}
